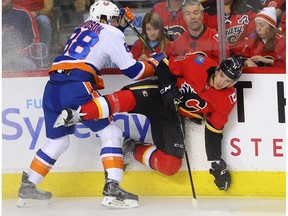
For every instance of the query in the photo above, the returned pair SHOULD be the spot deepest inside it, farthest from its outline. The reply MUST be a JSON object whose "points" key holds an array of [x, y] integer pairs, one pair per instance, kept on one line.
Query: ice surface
{"points": [[158, 206]]}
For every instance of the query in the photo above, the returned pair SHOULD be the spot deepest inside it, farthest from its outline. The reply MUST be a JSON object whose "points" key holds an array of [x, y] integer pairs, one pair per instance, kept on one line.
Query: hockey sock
{"points": [[146, 156], [40, 166], [157, 160], [103, 107]]}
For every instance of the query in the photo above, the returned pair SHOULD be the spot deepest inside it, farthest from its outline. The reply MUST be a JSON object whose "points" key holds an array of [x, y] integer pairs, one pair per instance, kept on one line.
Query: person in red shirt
{"points": [[172, 17], [266, 47], [239, 23], [198, 87], [153, 33], [41, 10], [19, 34], [199, 38]]}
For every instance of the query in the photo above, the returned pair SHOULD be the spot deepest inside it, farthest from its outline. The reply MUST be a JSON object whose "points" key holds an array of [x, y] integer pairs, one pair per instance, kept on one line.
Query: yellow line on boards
{"points": [[150, 183]]}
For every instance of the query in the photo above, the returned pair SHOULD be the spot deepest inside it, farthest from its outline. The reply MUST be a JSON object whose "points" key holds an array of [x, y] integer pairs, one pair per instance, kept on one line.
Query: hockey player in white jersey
{"points": [[74, 80]]}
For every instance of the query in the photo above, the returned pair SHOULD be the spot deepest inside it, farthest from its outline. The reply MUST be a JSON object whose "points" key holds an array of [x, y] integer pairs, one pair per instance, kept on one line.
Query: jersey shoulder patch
{"points": [[199, 59]]}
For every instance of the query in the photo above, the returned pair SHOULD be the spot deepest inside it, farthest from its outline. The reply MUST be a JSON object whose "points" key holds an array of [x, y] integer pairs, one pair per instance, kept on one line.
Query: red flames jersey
{"points": [[206, 43], [199, 98], [137, 48], [238, 28], [278, 54], [174, 23]]}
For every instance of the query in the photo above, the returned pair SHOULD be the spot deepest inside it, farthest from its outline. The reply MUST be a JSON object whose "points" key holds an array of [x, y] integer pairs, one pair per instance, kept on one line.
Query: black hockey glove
{"points": [[221, 175], [171, 96]]}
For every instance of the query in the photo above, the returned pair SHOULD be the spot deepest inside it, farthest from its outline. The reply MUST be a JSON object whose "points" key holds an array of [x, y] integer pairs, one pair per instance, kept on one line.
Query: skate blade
{"points": [[114, 203], [60, 119], [27, 203]]}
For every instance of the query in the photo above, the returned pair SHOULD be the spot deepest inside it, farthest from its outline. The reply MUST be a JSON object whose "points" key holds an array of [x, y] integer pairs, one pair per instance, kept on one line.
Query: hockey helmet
{"points": [[103, 8], [231, 68]]}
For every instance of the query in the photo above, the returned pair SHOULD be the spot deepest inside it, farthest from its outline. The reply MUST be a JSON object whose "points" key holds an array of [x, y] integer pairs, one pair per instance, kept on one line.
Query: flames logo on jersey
{"points": [[177, 29], [233, 33], [192, 101]]}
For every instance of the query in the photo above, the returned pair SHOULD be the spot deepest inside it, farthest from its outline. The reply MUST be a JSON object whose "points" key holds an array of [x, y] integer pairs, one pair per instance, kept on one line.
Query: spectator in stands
{"points": [[153, 33], [199, 38], [239, 23], [266, 47], [172, 17], [19, 32], [41, 10]]}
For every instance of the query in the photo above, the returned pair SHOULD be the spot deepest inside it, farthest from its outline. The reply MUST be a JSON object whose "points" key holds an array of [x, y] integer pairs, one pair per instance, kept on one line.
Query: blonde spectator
{"points": [[266, 47], [153, 32]]}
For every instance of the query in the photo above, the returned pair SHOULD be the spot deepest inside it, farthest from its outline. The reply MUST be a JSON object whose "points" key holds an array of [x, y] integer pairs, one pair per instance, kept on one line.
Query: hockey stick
{"points": [[194, 200], [152, 51]]}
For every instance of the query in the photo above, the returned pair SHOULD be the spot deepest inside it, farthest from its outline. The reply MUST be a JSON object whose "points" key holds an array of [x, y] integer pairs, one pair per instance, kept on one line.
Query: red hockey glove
{"points": [[126, 16]]}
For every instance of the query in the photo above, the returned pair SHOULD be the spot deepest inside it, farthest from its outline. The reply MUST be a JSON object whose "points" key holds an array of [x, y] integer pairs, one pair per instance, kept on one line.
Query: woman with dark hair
{"points": [[153, 33], [267, 46]]}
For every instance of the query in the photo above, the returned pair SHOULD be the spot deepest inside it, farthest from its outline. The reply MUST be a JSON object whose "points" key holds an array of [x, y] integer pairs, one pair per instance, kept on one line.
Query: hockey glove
{"points": [[171, 96], [126, 16], [155, 59], [221, 175]]}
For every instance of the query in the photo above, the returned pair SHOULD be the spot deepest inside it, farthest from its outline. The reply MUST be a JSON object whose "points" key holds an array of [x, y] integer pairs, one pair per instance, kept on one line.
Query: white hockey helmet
{"points": [[103, 8]]}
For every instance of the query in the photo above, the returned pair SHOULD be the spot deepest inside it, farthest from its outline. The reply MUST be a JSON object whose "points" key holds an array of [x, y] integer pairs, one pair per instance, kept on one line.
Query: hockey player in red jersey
{"points": [[198, 38], [203, 92], [172, 17]]}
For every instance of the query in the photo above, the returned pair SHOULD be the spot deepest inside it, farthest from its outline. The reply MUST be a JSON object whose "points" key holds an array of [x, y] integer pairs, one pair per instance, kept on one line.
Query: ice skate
{"points": [[69, 117], [128, 150], [30, 196], [116, 197]]}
